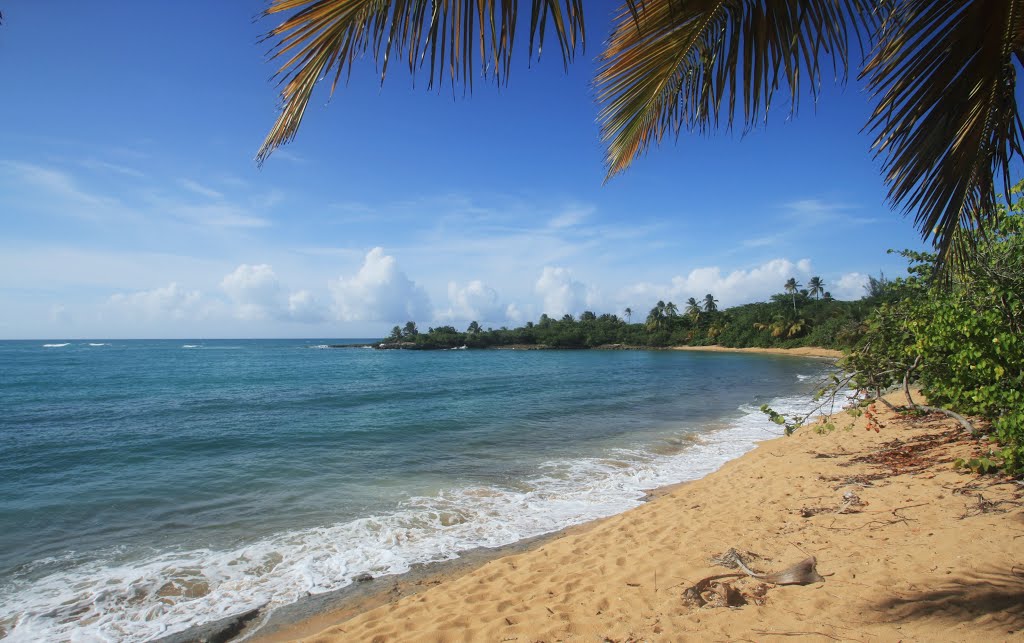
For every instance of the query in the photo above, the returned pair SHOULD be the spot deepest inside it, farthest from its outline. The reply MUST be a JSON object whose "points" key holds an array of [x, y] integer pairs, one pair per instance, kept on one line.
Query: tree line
{"points": [[795, 317]]}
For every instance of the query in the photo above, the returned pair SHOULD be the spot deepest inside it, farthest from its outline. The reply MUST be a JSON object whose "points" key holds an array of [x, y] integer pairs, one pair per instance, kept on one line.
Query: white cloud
{"points": [[561, 293], [291, 157], [257, 294], [61, 185], [514, 315], [474, 301], [379, 292], [305, 307], [850, 286], [200, 189], [572, 216], [94, 164], [814, 211], [736, 287], [168, 302], [221, 215]]}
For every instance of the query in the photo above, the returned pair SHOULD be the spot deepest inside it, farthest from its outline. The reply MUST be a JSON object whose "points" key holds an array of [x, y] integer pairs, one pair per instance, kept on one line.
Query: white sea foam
{"points": [[97, 344], [320, 346], [140, 600], [190, 345], [56, 345]]}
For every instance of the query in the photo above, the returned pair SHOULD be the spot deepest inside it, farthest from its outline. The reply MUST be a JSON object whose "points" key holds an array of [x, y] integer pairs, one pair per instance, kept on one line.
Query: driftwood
{"points": [[714, 592], [803, 573]]}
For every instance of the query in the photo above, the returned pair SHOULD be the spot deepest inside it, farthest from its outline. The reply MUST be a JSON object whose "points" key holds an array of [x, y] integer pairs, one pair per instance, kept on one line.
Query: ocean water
{"points": [[146, 486]]}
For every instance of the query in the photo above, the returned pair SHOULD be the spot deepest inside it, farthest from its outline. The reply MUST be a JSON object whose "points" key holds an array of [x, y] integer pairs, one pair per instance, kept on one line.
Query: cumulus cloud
{"points": [[514, 315], [168, 302], [257, 294], [379, 292], [305, 307], [255, 291], [474, 301], [736, 287], [561, 293], [850, 286]]}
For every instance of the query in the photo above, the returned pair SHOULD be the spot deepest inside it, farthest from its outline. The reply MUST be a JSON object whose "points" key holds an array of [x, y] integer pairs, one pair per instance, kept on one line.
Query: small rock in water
{"points": [[362, 578]]}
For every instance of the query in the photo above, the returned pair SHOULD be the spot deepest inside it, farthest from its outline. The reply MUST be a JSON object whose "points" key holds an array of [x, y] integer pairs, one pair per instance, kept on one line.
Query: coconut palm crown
{"points": [[815, 286], [693, 308], [946, 121]]}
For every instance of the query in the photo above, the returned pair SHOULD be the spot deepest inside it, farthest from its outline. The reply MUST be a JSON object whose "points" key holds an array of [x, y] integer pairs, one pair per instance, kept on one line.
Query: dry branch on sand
{"points": [[713, 591]]}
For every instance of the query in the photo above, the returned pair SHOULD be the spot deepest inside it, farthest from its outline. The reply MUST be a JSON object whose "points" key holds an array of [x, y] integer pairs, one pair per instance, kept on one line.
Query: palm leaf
{"points": [[674, 65], [946, 120], [321, 38]]}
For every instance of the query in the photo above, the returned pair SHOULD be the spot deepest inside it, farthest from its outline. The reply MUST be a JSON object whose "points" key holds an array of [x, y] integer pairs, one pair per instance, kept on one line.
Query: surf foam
{"points": [[118, 599]]}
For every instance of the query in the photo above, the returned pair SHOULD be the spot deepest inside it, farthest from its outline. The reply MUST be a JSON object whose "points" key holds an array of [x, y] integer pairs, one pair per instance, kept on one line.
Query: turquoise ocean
{"points": [[146, 486]]}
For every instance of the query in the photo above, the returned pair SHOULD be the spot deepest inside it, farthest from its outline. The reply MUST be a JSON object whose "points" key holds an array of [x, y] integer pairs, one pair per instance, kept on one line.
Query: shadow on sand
{"points": [[991, 600]]}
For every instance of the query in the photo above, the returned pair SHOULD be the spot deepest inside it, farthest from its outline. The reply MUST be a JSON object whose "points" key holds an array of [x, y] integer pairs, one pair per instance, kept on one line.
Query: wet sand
{"points": [[910, 549]]}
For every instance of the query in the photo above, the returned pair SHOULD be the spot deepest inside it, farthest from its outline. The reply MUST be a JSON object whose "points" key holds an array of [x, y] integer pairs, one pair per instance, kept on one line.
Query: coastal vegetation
{"points": [[960, 340], [787, 320], [957, 337]]}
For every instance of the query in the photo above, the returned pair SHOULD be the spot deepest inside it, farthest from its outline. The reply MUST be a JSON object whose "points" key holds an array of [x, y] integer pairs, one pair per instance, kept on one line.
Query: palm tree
{"points": [[693, 308], [815, 286], [410, 329], [671, 310], [791, 287], [656, 318], [629, 314], [710, 303], [942, 75]]}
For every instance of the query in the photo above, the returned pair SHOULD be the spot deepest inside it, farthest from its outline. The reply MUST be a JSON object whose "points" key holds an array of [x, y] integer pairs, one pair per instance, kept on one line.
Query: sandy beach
{"points": [[803, 351], [910, 549]]}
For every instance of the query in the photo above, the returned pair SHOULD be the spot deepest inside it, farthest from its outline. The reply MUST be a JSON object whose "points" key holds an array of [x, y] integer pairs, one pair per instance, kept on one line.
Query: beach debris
{"points": [[715, 591], [985, 507], [803, 573], [851, 505], [362, 578]]}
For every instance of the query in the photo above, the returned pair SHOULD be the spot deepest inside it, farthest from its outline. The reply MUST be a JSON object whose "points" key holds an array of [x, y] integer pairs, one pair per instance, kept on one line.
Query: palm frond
{"points": [[321, 38], [674, 65], [946, 120]]}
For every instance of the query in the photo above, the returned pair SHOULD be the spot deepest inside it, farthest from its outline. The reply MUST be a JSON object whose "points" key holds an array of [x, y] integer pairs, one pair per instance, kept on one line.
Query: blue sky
{"points": [[132, 207]]}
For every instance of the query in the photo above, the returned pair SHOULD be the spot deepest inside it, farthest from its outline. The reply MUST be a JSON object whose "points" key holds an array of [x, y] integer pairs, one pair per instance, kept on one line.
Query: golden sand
{"points": [[803, 351], [911, 550]]}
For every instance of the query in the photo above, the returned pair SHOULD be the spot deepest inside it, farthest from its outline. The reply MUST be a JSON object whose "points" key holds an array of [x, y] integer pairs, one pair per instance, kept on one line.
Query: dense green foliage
{"points": [[787, 321], [961, 341]]}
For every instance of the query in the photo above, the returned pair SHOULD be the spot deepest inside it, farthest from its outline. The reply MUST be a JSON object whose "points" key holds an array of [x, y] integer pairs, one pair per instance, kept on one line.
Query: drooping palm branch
{"points": [[947, 120], [321, 39], [678, 65]]}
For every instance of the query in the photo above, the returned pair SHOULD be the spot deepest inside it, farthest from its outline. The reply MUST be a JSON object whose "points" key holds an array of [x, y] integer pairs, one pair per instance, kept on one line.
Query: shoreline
{"points": [[802, 351], [309, 616], [910, 549]]}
